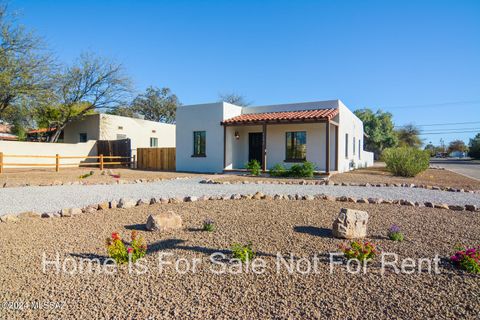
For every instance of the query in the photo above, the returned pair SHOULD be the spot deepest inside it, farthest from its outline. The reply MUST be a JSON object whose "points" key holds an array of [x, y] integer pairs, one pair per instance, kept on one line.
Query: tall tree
{"points": [[235, 99], [156, 105], [457, 145], [378, 127], [124, 112], [91, 83], [474, 147], [409, 136], [25, 66]]}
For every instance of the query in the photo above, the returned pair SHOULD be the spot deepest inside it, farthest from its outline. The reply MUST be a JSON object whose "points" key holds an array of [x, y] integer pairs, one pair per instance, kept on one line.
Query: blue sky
{"points": [[419, 60]]}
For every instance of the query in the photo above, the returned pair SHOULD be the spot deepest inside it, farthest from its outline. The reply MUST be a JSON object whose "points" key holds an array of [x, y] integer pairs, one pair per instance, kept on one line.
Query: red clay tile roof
{"points": [[42, 130], [285, 116]]}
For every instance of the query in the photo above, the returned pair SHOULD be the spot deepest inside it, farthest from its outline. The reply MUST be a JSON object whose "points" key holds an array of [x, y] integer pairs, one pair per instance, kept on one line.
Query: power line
{"points": [[447, 130], [429, 133], [441, 104], [439, 124]]}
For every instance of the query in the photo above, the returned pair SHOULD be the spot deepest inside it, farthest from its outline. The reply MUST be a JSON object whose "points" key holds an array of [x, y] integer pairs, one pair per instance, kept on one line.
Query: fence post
{"points": [[1, 162], [57, 162], [101, 162]]}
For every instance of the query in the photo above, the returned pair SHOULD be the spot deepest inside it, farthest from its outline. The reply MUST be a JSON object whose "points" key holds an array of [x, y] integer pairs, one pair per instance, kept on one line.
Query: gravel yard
{"points": [[35, 177], [300, 228], [54, 198]]}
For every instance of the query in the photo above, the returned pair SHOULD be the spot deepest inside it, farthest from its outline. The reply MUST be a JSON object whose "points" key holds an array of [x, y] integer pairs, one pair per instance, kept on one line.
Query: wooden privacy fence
{"points": [[56, 161], [156, 158]]}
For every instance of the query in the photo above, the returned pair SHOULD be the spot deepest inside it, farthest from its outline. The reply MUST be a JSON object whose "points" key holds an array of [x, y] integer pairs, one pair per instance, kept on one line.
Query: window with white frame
{"points": [[153, 142], [346, 145]]}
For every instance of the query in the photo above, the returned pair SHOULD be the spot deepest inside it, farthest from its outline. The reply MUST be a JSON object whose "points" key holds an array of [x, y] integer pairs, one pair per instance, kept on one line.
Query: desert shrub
{"points": [[405, 161], [467, 259], [86, 175], [361, 251], [243, 253], [395, 234], [208, 225], [254, 167], [120, 251], [278, 170], [304, 170]]}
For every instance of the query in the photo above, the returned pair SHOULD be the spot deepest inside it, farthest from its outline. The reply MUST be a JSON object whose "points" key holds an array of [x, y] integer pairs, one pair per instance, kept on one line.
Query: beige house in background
{"points": [[142, 133]]}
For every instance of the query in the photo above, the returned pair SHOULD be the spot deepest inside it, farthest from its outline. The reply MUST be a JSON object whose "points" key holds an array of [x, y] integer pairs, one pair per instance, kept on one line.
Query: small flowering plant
{"points": [[467, 259], [122, 252], [395, 234], [361, 251], [208, 225], [244, 253]]}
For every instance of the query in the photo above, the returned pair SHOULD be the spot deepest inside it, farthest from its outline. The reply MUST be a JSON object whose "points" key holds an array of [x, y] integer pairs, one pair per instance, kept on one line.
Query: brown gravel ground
{"points": [[297, 227], [432, 177], [16, 177]]}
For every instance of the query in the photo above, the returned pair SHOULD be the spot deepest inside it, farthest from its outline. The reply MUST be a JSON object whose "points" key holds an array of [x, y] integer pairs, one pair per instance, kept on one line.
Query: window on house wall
{"points": [[353, 146], [82, 137], [346, 145], [360, 149], [199, 144], [153, 142], [296, 146]]}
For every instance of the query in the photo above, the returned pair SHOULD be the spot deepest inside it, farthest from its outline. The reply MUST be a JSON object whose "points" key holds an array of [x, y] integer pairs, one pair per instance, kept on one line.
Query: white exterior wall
{"points": [[47, 149], [351, 124], [203, 117], [109, 127]]}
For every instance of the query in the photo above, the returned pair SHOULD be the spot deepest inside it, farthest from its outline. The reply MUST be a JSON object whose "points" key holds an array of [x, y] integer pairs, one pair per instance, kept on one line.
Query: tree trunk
{"points": [[57, 133]]}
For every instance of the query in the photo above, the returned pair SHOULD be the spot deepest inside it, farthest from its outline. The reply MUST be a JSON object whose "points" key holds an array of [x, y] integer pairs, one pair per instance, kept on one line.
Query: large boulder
{"points": [[350, 224], [164, 221]]}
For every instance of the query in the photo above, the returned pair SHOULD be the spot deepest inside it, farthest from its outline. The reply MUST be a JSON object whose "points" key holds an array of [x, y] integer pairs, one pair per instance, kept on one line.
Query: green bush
{"points": [[254, 167], [278, 170], [304, 170], [405, 161], [243, 253]]}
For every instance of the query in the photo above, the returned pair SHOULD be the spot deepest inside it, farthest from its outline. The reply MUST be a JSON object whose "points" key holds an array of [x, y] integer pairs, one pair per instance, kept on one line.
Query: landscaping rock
{"points": [[142, 201], [470, 207], [342, 199], [90, 209], [258, 196], [362, 200], [9, 218], [267, 197], [407, 203], [456, 208], [309, 198], [236, 196], [113, 204], [29, 214], [351, 199], [190, 199], [350, 224], [126, 203], [175, 200], [70, 212], [153, 201], [164, 221], [441, 206], [329, 198], [103, 206], [428, 204], [163, 200]]}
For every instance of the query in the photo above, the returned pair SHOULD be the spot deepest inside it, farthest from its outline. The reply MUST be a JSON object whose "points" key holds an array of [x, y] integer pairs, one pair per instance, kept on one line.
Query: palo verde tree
{"points": [[25, 66], [90, 84], [409, 136]]}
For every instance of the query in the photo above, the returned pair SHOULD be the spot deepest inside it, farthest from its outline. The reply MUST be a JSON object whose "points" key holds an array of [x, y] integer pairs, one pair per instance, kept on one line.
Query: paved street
{"points": [[469, 168]]}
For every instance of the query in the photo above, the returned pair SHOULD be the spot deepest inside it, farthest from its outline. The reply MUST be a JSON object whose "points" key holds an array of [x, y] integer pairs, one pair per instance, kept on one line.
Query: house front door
{"points": [[255, 146]]}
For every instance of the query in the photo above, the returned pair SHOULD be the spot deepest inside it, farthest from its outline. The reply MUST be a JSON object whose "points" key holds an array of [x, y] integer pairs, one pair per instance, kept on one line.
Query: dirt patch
{"points": [[432, 177], [35, 177], [301, 228]]}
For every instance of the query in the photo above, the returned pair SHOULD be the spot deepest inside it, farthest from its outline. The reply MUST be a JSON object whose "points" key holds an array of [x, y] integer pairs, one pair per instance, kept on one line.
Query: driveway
{"points": [[54, 198], [468, 168]]}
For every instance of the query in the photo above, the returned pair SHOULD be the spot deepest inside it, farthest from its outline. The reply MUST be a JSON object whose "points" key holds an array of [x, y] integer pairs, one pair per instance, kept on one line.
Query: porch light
{"points": [[237, 135]]}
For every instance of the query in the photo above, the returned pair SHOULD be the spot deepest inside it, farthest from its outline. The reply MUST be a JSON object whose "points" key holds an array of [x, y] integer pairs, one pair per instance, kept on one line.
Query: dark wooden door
{"points": [[255, 146]]}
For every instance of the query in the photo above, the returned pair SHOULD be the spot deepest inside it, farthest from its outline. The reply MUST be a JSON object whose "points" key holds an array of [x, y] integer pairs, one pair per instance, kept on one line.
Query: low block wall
{"points": [[22, 148]]}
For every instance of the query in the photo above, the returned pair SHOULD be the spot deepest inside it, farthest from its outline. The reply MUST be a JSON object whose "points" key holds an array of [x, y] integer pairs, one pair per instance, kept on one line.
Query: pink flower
{"points": [[130, 250]]}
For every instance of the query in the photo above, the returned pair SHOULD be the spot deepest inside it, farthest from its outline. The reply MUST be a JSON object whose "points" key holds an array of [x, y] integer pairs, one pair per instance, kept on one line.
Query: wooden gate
{"points": [[156, 159], [119, 148]]}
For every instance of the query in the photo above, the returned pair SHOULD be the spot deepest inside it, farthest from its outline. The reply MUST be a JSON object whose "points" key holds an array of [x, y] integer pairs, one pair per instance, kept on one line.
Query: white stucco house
{"points": [[218, 137], [142, 133]]}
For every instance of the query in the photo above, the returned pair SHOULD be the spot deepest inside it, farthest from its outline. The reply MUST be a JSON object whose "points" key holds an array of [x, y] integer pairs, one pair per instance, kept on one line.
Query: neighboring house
{"points": [[142, 133], [6, 132], [220, 136], [42, 135]]}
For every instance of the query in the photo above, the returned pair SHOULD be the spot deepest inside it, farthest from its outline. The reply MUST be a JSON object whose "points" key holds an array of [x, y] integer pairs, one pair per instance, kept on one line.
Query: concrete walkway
{"points": [[54, 198]]}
